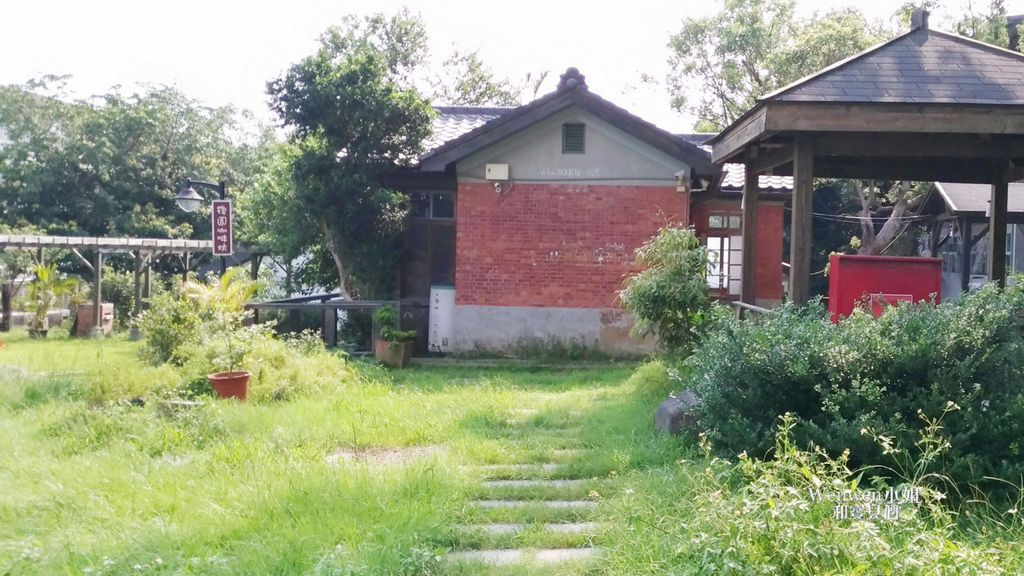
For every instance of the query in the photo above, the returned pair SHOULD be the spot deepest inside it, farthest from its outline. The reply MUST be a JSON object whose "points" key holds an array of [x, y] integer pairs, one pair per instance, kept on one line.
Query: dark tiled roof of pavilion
{"points": [[961, 198], [923, 66]]}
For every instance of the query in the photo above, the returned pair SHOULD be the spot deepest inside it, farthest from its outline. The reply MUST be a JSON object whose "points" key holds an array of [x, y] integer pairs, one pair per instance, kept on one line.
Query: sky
{"points": [[224, 52]]}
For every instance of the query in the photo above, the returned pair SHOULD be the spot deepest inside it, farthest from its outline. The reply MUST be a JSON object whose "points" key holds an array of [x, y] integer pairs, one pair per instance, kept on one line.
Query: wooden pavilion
{"points": [[144, 250], [926, 105]]}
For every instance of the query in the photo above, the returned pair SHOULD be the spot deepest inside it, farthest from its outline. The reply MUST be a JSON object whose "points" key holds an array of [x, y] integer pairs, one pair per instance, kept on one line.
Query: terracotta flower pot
{"points": [[397, 355], [230, 384]]}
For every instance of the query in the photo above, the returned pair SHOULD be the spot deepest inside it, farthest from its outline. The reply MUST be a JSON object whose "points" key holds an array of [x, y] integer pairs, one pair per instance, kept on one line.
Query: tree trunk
{"points": [[875, 243], [336, 256], [5, 323]]}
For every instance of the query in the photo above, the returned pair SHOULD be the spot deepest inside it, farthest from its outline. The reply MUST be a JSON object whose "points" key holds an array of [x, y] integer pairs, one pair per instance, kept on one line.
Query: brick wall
{"points": [[554, 245]]}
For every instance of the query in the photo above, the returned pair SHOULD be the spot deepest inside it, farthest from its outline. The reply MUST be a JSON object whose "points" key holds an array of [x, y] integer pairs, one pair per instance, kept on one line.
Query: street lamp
{"points": [[189, 200]]}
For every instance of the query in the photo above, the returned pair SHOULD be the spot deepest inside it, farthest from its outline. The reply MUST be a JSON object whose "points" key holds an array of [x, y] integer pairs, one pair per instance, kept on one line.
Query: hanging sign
{"points": [[223, 240]]}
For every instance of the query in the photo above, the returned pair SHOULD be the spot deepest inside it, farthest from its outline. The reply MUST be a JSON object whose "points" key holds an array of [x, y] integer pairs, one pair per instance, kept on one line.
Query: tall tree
{"points": [[355, 116], [110, 165], [466, 80], [723, 62]]}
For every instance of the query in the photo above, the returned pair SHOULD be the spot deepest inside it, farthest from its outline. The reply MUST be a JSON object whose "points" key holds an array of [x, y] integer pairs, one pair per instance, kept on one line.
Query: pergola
{"points": [[143, 249], [926, 105]]}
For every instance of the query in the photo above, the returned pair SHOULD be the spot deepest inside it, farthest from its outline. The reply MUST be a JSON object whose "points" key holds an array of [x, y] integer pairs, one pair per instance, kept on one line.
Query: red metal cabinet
{"points": [[876, 281]]}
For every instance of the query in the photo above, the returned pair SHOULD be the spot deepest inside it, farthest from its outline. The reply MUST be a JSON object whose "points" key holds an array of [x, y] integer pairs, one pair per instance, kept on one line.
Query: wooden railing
{"points": [[328, 306], [742, 308]]}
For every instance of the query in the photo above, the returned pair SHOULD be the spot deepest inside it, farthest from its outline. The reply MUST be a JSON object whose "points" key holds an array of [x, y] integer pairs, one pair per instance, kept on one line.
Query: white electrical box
{"points": [[442, 313], [496, 172]]}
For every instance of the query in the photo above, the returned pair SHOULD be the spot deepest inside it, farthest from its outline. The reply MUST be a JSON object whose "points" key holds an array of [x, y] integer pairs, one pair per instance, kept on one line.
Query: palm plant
{"points": [[43, 293]]}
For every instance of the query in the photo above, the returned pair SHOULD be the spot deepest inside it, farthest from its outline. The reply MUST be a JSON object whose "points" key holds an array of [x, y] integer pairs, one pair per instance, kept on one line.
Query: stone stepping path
{"points": [[530, 514], [505, 557], [541, 503], [570, 527]]}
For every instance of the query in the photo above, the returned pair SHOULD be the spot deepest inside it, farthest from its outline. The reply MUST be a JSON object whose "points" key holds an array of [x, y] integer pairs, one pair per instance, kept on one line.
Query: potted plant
{"points": [[229, 380], [228, 338], [394, 347], [43, 293]]}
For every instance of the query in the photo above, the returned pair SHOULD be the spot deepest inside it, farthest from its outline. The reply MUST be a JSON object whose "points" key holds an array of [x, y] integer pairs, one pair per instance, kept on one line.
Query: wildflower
{"points": [[594, 495]]}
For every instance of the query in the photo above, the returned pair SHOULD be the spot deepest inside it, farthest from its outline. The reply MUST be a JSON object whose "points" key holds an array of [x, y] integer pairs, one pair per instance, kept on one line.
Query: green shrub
{"points": [[171, 328], [803, 512], [669, 297], [873, 373]]}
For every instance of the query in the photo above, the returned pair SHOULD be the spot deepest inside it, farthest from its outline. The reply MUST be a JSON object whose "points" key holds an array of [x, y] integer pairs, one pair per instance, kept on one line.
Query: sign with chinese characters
{"points": [[223, 239]]}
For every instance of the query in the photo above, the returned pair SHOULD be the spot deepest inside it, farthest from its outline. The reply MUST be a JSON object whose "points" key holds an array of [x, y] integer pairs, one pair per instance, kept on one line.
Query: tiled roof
{"points": [[733, 176], [572, 91], [454, 121], [923, 66], [975, 197]]}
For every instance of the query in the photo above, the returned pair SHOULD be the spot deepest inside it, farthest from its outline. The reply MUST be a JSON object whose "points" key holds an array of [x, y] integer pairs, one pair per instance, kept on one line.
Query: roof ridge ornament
{"points": [[919, 19], [572, 79]]}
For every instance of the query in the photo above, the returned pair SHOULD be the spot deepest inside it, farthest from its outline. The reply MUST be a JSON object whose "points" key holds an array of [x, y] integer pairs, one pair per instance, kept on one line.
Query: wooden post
{"points": [[149, 279], [967, 242], [5, 302], [997, 229], [137, 308], [330, 333], [751, 192], [97, 297], [800, 238]]}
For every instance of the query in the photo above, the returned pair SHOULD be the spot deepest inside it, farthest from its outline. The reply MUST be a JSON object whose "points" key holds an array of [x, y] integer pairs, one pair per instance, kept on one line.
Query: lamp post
{"points": [[189, 200]]}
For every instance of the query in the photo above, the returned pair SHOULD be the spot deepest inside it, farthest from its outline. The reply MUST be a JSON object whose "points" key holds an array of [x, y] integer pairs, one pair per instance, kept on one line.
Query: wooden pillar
{"points": [[97, 297], [800, 237], [149, 279], [7, 308], [137, 308], [967, 237], [997, 230], [751, 192], [330, 333]]}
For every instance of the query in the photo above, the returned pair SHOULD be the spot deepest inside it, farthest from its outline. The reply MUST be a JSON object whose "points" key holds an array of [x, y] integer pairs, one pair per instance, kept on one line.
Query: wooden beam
{"points": [[997, 229], [800, 237], [766, 159], [734, 140], [916, 145], [1015, 174], [967, 171], [893, 117], [748, 266]]}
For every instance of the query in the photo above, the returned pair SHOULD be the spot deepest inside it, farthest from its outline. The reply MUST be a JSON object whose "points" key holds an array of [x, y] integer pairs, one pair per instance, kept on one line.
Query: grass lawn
{"points": [[368, 478], [376, 475]]}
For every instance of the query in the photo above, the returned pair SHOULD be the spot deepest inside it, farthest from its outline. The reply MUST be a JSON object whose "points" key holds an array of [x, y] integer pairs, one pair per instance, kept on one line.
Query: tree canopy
{"points": [[355, 116], [110, 165], [723, 62]]}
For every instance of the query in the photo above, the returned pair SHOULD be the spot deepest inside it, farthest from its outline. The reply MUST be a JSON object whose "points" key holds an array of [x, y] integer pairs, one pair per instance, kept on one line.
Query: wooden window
{"points": [[574, 138], [432, 205]]}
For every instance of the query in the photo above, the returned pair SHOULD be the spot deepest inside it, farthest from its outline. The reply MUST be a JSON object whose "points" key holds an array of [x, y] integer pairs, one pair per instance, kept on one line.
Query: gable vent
{"points": [[573, 138]]}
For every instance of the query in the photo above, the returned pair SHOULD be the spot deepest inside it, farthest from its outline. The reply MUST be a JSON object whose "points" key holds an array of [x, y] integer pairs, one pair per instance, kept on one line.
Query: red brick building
{"points": [[527, 220]]}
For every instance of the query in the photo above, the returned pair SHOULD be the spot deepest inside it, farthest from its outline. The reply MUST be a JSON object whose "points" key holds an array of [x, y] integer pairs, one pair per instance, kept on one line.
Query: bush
{"points": [[873, 373], [669, 298], [202, 328]]}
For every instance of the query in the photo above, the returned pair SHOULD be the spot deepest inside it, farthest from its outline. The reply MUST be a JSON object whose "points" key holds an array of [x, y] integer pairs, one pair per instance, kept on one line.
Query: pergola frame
{"points": [[826, 127], [142, 249]]}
